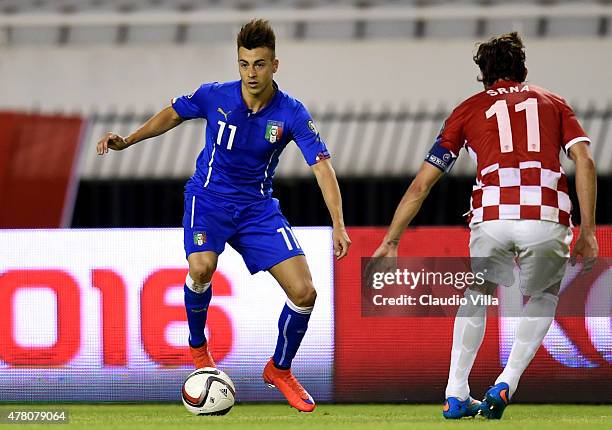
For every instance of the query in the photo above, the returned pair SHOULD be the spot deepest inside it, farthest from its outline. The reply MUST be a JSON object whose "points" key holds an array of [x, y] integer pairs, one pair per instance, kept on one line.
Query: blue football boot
{"points": [[454, 408], [495, 401]]}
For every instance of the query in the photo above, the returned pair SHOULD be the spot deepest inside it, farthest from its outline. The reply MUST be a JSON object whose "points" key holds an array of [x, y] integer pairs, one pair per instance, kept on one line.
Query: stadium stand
{"points": [[368, 142], [73, 22]]}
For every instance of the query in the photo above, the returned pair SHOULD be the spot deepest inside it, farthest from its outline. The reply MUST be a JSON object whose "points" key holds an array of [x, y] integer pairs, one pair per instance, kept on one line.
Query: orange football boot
{"points": [[293, 391], [201, 356]]}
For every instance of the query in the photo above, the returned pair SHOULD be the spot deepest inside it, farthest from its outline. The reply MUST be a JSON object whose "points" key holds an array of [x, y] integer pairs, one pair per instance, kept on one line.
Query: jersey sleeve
{"points": [[306, 136], [193, 105], [571, 130], [449, 142]]}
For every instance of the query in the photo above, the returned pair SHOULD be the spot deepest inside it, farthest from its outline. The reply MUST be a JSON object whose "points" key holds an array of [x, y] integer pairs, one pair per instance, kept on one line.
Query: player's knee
{"points": [[306, 296], [202, 271]]}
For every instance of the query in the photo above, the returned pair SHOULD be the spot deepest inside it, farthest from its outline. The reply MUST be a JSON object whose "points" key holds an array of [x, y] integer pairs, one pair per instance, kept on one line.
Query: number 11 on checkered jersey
{"points": [[500, 110]]}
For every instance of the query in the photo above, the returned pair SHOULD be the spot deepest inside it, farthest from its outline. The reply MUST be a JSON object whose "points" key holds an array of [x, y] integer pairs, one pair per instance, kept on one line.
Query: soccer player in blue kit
{"points": [[229, 197]]}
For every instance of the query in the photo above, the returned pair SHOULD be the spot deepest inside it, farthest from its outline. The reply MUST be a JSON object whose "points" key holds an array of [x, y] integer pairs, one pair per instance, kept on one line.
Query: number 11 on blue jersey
{"points": [[232, 128]]}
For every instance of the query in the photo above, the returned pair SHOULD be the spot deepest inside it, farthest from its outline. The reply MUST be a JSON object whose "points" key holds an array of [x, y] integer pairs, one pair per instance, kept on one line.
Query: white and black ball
{"points": [[208, 391]]}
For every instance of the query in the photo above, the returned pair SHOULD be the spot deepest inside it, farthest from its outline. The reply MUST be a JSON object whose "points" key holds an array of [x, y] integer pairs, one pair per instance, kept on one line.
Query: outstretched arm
{"points": [[408, 207], [326, 178], [586, 187], [159, 123]]}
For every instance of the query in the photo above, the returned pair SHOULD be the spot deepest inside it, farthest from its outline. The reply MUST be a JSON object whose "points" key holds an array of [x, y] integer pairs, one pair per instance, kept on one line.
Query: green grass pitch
{"points": [[349, 417]]}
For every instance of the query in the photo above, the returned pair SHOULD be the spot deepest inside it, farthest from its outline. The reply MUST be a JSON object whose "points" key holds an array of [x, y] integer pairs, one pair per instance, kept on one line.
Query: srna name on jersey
{"points": [[514, 89]]}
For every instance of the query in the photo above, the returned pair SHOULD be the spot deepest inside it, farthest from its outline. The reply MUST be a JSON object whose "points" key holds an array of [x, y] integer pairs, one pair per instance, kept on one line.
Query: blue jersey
{"points": [[242, 148]]}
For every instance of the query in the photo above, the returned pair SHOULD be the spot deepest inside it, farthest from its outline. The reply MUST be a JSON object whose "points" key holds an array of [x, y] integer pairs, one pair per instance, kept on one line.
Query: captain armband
{"points": [[440, 157]]}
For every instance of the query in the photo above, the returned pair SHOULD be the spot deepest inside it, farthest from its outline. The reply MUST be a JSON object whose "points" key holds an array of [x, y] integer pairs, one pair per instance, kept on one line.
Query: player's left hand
{"points": [[586, 247], [341, 242]]}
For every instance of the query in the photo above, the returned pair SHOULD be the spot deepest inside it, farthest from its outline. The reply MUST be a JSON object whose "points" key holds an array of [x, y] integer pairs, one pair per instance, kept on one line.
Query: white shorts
{"points": [[540, 249]]}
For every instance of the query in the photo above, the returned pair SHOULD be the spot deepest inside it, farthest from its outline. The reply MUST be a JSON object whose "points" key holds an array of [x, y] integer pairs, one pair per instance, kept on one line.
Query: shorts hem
{"points": [[268, 266], [188, 252]]}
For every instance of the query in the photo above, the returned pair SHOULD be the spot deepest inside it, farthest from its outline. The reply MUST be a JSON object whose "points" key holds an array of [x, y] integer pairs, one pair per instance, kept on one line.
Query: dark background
{"points": [[366, 202]]}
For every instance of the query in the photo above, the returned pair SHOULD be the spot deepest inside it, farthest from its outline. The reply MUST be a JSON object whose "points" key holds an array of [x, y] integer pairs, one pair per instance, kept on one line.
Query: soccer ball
{"points": [[208, 391]]}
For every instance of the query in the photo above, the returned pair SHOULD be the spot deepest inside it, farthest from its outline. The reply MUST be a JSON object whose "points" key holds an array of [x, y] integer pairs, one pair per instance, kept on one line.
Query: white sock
{"points": [[470, 324], [194, 286], [538, 315]]}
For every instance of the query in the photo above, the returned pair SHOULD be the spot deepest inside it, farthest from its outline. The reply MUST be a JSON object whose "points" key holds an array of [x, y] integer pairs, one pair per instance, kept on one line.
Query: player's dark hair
{"points": [[257, 33], [502, 57]]}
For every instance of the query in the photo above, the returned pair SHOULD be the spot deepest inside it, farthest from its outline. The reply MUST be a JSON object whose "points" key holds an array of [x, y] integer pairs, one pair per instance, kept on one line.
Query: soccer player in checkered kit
{"points": [[520, 209], [229, 198]]}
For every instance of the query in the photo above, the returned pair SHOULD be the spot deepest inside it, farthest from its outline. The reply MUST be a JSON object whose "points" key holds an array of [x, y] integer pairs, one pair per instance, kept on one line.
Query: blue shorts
{"points": [[258, 231]]}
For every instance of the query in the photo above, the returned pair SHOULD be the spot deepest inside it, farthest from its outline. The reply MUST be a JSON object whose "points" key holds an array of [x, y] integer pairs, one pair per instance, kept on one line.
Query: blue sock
{"points": [[196, 305], [292, 326]]}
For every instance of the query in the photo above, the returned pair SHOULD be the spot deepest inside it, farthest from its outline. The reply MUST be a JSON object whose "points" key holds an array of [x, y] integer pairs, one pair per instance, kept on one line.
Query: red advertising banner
{"points": [[38, 154], [406, 358]]}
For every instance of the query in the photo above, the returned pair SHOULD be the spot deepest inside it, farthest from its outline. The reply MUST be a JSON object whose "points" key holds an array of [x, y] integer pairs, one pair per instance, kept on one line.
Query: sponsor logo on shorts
{"points": [[199, 238]]}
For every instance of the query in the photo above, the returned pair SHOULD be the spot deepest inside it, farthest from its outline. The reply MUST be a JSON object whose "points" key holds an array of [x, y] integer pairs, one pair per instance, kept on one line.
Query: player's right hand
{"points": [[383, 260], [111, 141], [385, 250]]}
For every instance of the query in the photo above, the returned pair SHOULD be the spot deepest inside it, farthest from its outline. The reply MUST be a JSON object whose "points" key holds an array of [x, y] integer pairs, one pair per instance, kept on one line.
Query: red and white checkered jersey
{"points": [[515, 132]]}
